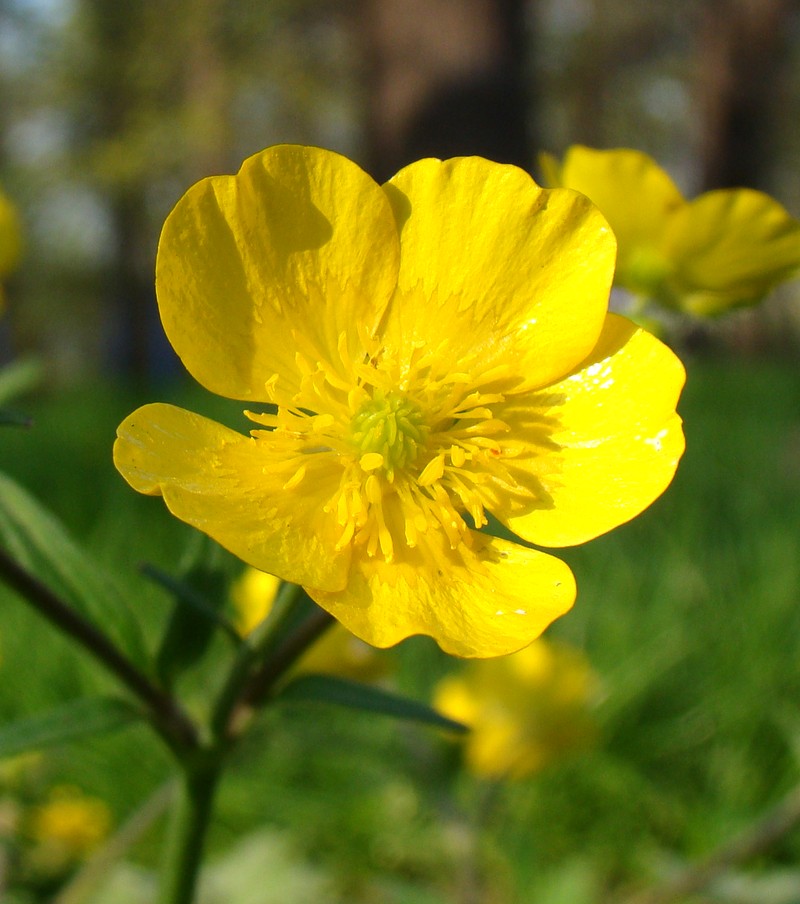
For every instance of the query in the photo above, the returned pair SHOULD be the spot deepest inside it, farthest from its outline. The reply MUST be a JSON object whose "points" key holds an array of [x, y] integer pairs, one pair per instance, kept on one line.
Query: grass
{"points": [[690, 614]]}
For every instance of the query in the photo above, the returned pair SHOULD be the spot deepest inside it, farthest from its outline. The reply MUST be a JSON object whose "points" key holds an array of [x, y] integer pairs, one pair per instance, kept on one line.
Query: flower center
{"points": [[413, 453], [388, 430]]}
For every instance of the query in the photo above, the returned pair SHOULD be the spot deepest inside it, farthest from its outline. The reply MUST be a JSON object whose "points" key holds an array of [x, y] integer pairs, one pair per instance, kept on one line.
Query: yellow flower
{"points": [[253, 595], [434, 349], [337, 652], [69, 825], [10, 239], [524, 710], [724, 249]]}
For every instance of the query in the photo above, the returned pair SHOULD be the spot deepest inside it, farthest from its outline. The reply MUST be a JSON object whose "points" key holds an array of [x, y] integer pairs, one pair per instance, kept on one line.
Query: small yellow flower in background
{"points": [[524, 710], [337, 652], [422, 353], [10, 239], [253, 595], [68, 826], [724, 249]]}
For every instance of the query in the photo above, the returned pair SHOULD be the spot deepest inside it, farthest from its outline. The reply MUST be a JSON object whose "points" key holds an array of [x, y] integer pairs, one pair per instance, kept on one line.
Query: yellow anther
{"points": [[432, 471], [458, 456], [371, 461]]}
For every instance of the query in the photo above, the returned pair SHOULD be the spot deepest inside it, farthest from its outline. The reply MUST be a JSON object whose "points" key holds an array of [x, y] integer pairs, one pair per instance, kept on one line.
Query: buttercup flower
{"points": [[69, 825], [10, 239], [724, 249], [253, 595], [524, 710], [433, 349]]}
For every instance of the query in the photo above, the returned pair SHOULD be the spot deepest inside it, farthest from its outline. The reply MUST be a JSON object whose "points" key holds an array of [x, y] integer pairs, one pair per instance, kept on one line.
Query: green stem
{"points": [[264, 679], [259, 646], [170, 721], [190, 824]]}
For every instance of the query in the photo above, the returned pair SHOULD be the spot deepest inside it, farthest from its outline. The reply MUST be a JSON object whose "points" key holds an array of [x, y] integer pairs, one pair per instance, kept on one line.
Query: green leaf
{"points": [[72, 721], [191, 598], [10, 418], [19, 377], [40, 543], [199, 592], [329, 689]]}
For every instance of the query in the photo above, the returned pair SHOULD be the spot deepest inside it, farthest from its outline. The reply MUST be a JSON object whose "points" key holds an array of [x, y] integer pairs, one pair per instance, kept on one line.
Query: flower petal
{"points": [[613, 444], [494, 268], [634, 193], [224, 484], [300, 240], [730, 247], [496, 599]]}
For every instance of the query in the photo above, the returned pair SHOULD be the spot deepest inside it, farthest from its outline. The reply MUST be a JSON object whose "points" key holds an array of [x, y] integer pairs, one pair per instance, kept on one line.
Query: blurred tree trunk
{"points": [[113, 93], [159, 107], [444, 78], [743, 71]]}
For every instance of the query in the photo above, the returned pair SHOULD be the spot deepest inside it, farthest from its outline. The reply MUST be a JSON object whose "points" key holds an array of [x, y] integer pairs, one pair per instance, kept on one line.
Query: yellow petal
{"points": [[613, 444], [730, 247], [225, 485], [300, 240], [494, 268], [10, 236], [495, 600], [634, 193]]}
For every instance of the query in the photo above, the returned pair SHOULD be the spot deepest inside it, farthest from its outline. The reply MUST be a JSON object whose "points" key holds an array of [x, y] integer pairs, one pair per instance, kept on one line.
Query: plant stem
{"points": [[184, 853], [262, 645], [170, 721], [263, 680]]}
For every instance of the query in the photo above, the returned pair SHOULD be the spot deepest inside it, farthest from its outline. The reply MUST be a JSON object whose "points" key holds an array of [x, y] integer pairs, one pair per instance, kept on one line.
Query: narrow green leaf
{"points": [[199, 591], [40, 543], [187, 596], [19, 377], [72, 721], [329, 689], [10, 418]]}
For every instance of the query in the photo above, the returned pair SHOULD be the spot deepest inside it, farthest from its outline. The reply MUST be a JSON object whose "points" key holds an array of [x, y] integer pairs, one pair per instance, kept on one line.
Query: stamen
{"points": [[295, 480], [432, 472], [413, 451], [371, 461], [458, 456], [372, 488]]}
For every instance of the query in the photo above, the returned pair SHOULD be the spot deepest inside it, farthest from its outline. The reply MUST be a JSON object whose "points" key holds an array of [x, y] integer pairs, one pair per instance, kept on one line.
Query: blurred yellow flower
{"points": [[524, 710], [69, 825], [337, 652], [10, 239], [253, 594], [435, 349], [723, 249]]}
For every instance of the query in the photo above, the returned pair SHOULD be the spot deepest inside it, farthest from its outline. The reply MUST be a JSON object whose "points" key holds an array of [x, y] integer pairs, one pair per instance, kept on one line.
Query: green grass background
{"points": [[690, 614]]}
